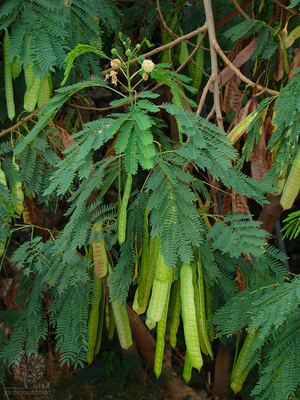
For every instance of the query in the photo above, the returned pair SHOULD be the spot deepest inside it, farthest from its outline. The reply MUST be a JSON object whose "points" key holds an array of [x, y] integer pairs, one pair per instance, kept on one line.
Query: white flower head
{"points": [[148, 66]]}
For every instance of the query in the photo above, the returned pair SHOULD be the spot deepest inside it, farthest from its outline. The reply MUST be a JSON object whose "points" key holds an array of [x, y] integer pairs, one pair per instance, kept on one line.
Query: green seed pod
{"points": [[292, 185], [16, 67], [9, 91], [240, 372]]}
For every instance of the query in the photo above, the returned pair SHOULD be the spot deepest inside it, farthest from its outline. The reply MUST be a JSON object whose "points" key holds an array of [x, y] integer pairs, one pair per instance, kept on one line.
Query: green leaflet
{"points": [[141, 117], [131, 155], [123, 137]]}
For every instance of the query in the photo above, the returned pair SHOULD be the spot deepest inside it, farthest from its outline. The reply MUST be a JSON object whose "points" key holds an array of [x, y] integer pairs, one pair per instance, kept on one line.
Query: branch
{"points": [[150, 53], [192, 54], [167, 46], [291, 10], [220, 22], [22, 121], [214, 60], [203, 96], [173, 34], [241, 11], [239, 74]]}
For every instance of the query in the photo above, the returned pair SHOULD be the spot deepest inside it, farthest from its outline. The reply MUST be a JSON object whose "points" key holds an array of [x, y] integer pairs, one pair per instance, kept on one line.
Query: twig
{"points": [[220, 22], [291, 10], [6, 395], [241, 11], [173, 34], [204, 94], [192, 54], [167, 46], [22, 121], [214, 60], [242, 200], [238, 72], [212, 111]]}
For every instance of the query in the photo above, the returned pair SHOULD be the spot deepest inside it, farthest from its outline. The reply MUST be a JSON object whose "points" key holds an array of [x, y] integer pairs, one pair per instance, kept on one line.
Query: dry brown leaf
{"points": [[295, 64], [269, 133], [240, 59], [67, 141], [239, 280], [29, 216], [239, 206], [220, 22], [258, 157], [278, 72], [232, 96], [277, 12], [226, 204]]}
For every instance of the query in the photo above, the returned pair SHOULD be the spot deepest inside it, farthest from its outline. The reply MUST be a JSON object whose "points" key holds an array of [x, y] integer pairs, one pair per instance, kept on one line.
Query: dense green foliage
{"points": [[174, 182]]}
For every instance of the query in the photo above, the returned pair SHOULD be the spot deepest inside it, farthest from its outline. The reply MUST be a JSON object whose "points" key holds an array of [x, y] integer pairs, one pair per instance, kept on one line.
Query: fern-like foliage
{"points": [[121, 277], [6, 212], [70, 286], [45, 30], [209, 148], [292, 225], [237, 234], [273, 309], [285, 139], [244, 29]]}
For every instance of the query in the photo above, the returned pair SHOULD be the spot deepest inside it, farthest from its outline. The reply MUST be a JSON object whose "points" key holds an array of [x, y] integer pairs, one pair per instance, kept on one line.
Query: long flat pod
{"points": [[9, 91], [160, 290], [31, 95], [240, 372], [152, 260], [99, 254], [208, 312], [123, 210], [18, 192], [187, 369], [100, 325], [202, 329], [292, 185], [144, 260], [161, 330], [175, 310], [189, 316], [94, 319], [122, 321]]}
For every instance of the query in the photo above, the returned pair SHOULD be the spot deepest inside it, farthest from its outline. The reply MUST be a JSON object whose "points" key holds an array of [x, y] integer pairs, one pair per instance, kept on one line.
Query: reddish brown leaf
{"points": [[239, 206], [220, 22], [258, 157], [239, 280], [278, 72], [269, 133], [65, 136], [233, 96], [11, 295], [295, 64], [29, 216], [226, 204]]}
